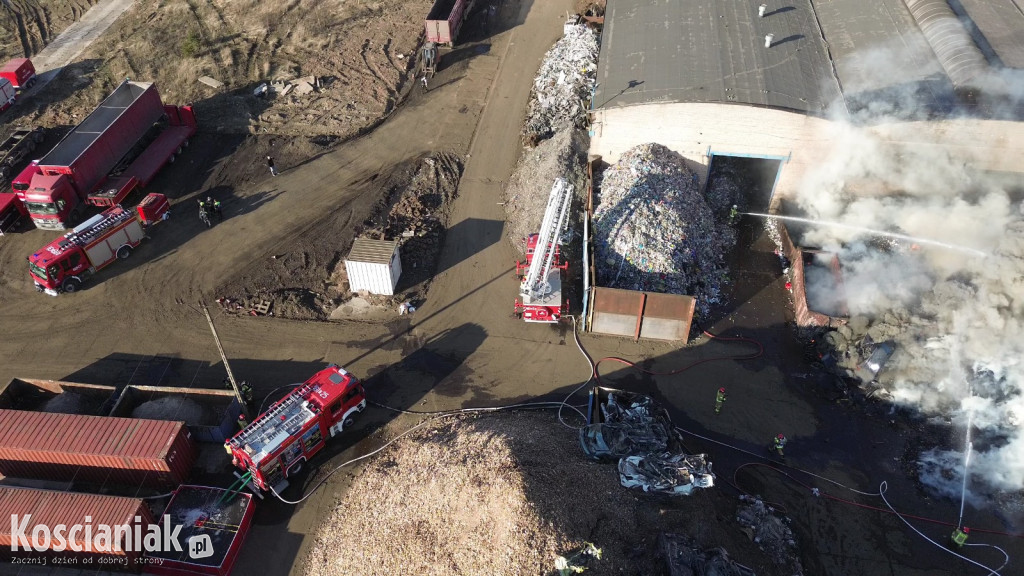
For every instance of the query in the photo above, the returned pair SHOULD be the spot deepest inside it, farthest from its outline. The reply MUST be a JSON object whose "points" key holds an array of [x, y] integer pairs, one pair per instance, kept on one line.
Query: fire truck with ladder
{"points": [[275, 445], [62, 265], [540, 292]]}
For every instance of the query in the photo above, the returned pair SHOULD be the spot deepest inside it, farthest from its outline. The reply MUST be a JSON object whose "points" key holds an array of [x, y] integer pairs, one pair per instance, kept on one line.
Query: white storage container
{"points": [[373, 266]]}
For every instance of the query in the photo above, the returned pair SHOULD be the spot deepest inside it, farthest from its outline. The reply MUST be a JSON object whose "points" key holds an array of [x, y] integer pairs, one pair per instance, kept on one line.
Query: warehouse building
{"points": [[782, 83]]}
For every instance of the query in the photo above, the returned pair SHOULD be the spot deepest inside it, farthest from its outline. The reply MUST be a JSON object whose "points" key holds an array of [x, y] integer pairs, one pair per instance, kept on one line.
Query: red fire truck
{"points": [[531, 246], [277, 443], [62, 265]]}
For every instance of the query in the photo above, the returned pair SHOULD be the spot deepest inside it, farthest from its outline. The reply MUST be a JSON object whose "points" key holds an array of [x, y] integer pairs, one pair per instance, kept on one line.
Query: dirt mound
{"points": [[498, 495], [308, 281]]}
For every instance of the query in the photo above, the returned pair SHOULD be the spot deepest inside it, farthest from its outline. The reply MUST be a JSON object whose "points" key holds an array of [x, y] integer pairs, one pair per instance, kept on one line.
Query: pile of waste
{"points": [[683, 557], [174, 408], [565, 81], [770, 531], [632, 428], [655, 231], [526, 196]]}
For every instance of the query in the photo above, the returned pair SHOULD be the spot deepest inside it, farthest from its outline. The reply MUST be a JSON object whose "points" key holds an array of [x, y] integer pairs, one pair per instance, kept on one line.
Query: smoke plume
{"points": [[956, 317]]}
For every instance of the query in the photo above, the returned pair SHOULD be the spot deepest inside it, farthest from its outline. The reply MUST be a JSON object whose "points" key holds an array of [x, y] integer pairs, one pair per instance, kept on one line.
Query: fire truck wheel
{"points": [[38, 135], [295, 468], [75, 218], [5, 172], [72, 285], [348, 423], [124, 252]]}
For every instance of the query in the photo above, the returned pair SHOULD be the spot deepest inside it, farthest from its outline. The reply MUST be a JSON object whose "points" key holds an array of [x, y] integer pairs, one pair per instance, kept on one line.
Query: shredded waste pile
{"points": [[638, 432], [770, 531], [175, 408], [563, 84], [66, 403], [655, 231], [526, 197]]}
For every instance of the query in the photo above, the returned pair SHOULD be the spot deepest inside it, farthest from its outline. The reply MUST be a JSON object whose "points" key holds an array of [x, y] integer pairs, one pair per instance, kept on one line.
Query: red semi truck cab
{"points": [[277, 443], [118, 148], [64, 264]]}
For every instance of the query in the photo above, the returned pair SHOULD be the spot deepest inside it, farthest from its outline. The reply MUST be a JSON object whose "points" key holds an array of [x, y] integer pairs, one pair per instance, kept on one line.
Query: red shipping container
{"points": [[69, 447], [50, 508]]}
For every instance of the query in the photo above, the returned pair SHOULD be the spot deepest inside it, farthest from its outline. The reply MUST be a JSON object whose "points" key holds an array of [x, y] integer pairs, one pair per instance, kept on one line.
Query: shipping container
{"points": [[211, 415], [50, 508], [373, 266], [445, 19], [223, 516], [95, 146], [56, 396], [115, 451]]}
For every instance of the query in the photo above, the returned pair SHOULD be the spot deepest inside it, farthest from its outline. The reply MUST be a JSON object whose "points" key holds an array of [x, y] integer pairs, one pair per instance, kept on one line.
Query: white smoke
{"points": [[957, 318]]}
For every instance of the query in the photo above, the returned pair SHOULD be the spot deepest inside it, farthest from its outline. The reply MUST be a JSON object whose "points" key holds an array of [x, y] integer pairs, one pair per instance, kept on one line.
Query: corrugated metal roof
{"points": [[958, 54], [1001, 22], [877, 46], [713, 51], [372, 251], [51, 508], [93, 435]]}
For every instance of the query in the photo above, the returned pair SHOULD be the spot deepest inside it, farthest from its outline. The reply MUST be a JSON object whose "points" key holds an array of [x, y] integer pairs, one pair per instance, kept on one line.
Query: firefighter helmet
{"points": [[722, 389], [781, 437]]}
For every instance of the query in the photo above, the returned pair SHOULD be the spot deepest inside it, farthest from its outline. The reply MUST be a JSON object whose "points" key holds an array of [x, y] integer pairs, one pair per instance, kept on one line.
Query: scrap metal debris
{"points": [[628, 424], [667, 473], [566, 80], [770, 531], [683, 557], [638, 432], [655, 231]]}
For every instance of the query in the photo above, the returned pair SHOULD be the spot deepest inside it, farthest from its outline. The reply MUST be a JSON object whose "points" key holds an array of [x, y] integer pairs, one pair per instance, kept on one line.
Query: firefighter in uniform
{"points": [[719, 400], [960, 536], [779, 444]]}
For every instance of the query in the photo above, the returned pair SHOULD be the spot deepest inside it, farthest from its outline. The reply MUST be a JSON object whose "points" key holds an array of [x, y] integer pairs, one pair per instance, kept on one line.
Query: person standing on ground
{"points": [[719, 400], [960, 536], [779, 444], [424, 81], [270, 164]]}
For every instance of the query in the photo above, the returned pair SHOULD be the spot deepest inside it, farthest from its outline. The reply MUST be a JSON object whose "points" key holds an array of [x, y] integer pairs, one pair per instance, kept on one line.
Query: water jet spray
{"points": [[875, 232]]}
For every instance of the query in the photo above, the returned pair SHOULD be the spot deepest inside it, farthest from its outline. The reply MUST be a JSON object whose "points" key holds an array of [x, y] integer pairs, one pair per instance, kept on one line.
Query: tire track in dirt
{"points": [[19, 23]]}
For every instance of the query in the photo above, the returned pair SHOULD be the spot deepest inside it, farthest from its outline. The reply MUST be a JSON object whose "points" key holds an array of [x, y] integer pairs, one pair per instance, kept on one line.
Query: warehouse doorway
{"points": [[749, 182], [746, 180]]}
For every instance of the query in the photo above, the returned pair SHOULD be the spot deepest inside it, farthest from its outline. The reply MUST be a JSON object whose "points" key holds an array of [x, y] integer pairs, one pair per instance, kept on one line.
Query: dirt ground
{"points": [[29, 25], [506, 494], [307, 281], [139, 321], [355, 59]]}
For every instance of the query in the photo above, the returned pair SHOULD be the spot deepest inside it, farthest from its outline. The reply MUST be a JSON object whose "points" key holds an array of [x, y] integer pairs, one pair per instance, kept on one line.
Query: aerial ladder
{"points": [[540, 293]]}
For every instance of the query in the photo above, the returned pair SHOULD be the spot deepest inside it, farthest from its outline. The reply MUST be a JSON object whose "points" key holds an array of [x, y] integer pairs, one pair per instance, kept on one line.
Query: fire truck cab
{"points": [[278, 442]]}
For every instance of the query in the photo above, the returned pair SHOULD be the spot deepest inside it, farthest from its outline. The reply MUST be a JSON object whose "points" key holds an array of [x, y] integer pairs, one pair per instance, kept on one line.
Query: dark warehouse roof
{"points": [[713, 51], [1001, 22]]}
